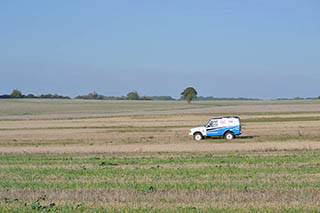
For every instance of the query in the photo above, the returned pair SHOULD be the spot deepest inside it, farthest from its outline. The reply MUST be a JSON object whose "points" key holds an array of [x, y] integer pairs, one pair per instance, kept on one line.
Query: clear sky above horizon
{"points": [[223, 48]]}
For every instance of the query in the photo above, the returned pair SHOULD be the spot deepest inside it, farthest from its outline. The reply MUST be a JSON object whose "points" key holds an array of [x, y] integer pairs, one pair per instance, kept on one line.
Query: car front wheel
{"points": [[197, 136]]}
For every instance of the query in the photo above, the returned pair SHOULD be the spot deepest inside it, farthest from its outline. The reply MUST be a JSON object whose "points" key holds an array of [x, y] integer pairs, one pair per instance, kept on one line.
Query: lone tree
{"points": [[16, 94], [189, 94], [133, 95], [93, 95]]}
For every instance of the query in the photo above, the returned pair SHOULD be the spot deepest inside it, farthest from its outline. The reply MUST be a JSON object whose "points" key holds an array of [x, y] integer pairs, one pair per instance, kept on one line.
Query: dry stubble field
{"points": [[137, 156]]}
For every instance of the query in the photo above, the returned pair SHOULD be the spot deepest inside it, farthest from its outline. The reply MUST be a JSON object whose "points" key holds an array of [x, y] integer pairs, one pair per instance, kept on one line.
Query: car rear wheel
{"points": [[197, 136], [229, 136]]}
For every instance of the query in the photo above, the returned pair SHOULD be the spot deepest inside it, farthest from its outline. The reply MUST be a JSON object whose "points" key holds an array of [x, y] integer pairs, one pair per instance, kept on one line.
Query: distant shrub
{"points": [[115, 97], [145, 98], [211, 98], [53, 96], [91, 96], [5, 96], [16, 94], [161, 98], [133, 95], [30, 96]]}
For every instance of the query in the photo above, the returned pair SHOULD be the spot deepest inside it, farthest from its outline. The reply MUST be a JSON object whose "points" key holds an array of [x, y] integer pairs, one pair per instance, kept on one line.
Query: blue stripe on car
{"points": [[220, 131]]}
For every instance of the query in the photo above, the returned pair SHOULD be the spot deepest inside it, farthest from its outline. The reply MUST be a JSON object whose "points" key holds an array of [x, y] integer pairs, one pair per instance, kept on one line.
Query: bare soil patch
{"points": [[181, 147], [153, 130]]}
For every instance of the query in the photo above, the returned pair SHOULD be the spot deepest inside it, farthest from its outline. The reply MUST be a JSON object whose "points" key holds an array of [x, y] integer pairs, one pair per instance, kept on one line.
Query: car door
{"points": [[211, 127]]}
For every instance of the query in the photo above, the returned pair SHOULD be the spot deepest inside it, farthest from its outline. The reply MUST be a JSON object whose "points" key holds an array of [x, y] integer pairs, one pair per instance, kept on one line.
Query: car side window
{"points": [[213, 123]]}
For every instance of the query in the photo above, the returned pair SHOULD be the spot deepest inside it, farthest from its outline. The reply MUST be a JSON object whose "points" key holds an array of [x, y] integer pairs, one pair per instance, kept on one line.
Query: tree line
{"points": [[130, 96], [18, 94], [134, 95], [189, 94], [91, 96]]}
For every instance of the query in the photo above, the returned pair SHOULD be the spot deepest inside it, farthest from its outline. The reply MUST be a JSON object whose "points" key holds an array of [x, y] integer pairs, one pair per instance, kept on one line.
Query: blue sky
{"points": [[225, 48]]}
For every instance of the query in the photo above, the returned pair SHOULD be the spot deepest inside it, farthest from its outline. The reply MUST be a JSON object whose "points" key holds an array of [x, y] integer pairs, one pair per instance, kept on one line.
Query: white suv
{"points": [[228, 127]]}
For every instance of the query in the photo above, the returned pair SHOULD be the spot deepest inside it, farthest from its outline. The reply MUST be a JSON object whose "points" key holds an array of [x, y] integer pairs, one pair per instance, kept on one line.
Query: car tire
{"points": [[197, 136], [229, 136]]}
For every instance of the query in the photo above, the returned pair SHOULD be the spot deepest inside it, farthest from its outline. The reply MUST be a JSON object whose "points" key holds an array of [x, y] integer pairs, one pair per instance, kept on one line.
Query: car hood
{"points": [[199, 128]]}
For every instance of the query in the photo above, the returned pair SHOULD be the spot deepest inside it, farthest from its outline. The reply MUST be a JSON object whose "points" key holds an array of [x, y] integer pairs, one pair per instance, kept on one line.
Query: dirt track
{"points": [[187, 147]]}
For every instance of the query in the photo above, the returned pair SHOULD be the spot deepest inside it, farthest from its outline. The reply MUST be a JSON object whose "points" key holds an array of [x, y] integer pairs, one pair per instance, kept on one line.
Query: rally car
{"points": [[228, 127]]}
